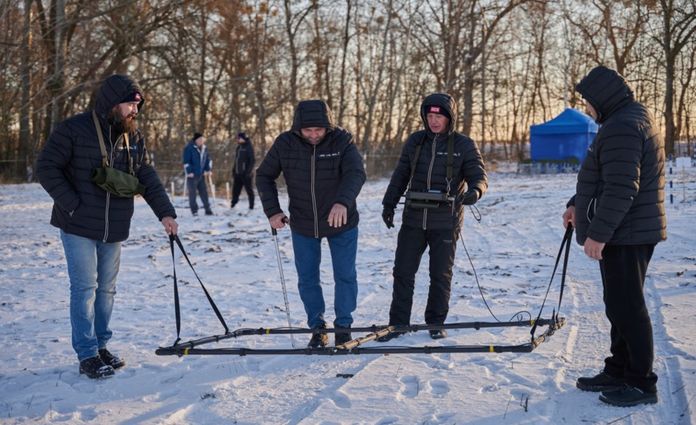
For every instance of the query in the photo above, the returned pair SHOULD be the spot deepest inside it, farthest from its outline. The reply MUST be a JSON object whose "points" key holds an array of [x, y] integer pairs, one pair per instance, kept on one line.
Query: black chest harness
{"points": [[431, 198]]}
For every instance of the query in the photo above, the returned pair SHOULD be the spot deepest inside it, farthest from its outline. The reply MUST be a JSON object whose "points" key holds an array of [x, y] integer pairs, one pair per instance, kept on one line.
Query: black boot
{"points": [[600, 382], [111, 360], [319, 339], [628, 396], [438, 333], [95, 368], [342, 335]]}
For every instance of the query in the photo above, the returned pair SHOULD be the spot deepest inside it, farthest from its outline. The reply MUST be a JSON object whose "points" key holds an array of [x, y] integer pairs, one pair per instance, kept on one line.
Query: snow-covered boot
{"points": [[95, 368]]}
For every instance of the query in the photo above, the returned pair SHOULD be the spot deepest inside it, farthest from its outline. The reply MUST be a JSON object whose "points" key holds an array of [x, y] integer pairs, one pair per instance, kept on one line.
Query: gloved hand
{"points": [[388, 217], [469, 197]]}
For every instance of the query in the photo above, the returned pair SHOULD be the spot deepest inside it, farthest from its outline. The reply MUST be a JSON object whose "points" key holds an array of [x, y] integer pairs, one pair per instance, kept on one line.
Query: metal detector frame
{"points": [[355, 346]]}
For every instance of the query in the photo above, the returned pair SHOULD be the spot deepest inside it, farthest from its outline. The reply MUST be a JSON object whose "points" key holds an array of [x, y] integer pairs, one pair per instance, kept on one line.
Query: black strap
{"points": [[565, 243], [177, 312], [450, 159], [414, 161], [102, 147]]}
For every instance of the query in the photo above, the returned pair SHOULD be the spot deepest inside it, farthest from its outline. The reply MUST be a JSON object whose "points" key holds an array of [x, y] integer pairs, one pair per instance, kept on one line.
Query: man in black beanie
{"points": [[243, 170], [435, 162], [619, 215], [93, 221], [324, 173]]}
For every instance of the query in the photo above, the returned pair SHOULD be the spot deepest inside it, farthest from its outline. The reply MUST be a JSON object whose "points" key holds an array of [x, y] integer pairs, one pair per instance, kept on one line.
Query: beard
{"points": [[122, 124]]}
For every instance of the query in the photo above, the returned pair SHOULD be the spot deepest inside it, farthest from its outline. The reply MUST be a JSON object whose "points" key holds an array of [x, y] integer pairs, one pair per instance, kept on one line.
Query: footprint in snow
{"points": [[438, 387], [388, 420], [88, 414], [341, 400], [409, 387]]}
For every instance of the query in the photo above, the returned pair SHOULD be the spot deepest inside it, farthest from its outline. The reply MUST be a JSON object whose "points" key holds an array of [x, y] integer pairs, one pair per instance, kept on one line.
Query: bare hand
{"points": [[569, 216], [593, 249], [189, 175], [278, 221], [170, 225], [208, 173], [338, 216]]}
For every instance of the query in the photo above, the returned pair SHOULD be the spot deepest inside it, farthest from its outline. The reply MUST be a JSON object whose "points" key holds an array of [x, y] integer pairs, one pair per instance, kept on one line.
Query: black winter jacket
{"points": [[620, 191], [243, 159], [431, 170], [71, 153], [317, 176]]}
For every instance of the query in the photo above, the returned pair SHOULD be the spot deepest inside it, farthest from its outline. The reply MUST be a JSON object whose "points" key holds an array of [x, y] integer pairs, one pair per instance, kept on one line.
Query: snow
{"points": [[513, 250]]}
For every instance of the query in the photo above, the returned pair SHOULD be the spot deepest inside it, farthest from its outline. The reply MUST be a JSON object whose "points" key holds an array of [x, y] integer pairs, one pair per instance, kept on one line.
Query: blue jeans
{"points": [[344, 247], [92, 268]]}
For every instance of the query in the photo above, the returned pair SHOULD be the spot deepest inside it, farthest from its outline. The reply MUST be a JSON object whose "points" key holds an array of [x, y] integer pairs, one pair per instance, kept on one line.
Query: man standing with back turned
{"points": [[324, 173], [618, 211], [94, 217]]}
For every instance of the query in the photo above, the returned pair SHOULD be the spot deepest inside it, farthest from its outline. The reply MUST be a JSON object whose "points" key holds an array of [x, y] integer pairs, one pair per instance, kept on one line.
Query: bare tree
{"points": [[678, 28]]}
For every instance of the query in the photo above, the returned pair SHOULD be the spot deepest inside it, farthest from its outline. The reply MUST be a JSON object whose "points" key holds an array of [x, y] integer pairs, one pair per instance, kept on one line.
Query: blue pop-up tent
{"points": [[565, 137]]}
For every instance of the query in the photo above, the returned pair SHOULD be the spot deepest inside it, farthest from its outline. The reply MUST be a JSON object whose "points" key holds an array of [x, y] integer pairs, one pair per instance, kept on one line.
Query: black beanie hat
{"points": [[437, 109], [196, 136]]}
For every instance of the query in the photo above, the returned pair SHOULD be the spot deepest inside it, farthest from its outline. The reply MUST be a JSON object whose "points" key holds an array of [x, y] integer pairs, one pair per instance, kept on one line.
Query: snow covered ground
{"points": [[513, 249]]}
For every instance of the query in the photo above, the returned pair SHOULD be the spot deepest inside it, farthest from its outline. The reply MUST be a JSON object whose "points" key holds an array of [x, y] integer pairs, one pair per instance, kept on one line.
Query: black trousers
{"points": [[623, 270], [242, 180], [410, 247]]}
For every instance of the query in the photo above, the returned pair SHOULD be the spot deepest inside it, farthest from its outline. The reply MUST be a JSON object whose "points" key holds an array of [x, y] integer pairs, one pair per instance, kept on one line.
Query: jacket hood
{"points": [[606, 90], [444, 101], [312, 113], [114, 90]]}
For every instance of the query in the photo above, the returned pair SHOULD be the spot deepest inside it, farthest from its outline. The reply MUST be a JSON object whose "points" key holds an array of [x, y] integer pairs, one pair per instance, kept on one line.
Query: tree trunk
{"points": [[25, 99], [344, 56]]}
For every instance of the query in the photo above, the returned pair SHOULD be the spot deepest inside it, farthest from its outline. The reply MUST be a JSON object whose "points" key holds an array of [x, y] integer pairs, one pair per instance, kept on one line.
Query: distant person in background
{"points": [[92, 221], [324, 173], [197, 166], [619, 214], [243, 170]]}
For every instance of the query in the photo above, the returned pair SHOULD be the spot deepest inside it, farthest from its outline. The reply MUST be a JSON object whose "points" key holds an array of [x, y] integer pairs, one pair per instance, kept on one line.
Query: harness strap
{"points": [[414, 161], [565, 243], [450, 160], [177, 311], [102, 146]]}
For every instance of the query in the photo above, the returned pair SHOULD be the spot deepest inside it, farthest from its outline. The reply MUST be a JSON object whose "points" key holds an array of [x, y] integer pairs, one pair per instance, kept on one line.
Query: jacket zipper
{"points": [[314, 197], [108, 195], [429, 182]]}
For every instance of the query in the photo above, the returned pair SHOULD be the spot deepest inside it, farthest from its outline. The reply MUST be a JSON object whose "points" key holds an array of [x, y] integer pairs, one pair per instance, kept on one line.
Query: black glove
{"points": [[388, 217], [469, 197]]}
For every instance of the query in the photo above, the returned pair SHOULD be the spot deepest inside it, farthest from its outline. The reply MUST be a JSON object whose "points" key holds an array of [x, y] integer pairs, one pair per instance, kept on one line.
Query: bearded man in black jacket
{"points": [[324, 173], [436, 162], [619, 214], [93, 221]]}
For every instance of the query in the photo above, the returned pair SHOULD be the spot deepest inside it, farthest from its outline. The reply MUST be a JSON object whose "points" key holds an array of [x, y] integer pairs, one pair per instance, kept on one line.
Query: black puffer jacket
{"points": [[431, 170], [620, 191], [71, 153], [317, 176], [243, 159]]}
